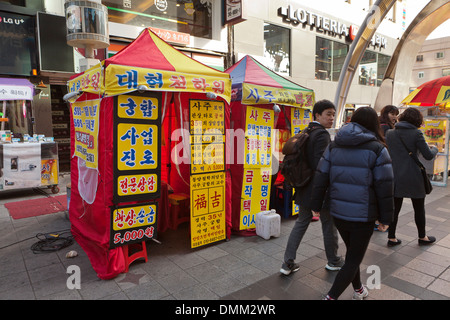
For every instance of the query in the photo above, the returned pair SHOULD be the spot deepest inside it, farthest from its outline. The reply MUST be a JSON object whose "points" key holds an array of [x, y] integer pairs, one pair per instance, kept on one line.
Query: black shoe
{"points": [[393, 243], [430, 240]]}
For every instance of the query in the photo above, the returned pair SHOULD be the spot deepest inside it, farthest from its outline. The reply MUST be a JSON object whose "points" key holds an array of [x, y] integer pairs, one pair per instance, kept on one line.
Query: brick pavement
{"points": [[242, 268]]}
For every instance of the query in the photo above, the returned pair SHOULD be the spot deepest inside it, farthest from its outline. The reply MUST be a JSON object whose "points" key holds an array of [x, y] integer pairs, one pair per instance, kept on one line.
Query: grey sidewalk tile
{"points": [[440, 286], [98, 289], [197, 292], [388, 293], [177, 281], [418, 278], [148, 291]]}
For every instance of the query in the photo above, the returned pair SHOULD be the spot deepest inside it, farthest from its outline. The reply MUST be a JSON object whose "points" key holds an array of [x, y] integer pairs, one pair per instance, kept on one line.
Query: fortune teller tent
{"points": [[262, 101], [125, 112]]}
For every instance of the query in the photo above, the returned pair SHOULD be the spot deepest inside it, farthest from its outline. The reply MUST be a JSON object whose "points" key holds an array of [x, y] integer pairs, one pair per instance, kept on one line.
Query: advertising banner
{"points": [[255, 195], [207, 181], [137, 139], [85, 116], [133, 224]]}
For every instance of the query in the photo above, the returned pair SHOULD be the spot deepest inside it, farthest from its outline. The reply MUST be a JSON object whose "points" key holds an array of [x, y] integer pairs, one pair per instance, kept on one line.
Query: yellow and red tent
{"points": [[154, 64]]}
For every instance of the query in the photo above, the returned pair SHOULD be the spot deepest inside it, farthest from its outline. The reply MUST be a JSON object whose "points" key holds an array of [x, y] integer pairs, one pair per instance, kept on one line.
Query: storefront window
{"points": [[372, 68], [18, 50], [277, 48], [18, 113], [383, 62], [189, 16], [330, 57], [15, 2]]}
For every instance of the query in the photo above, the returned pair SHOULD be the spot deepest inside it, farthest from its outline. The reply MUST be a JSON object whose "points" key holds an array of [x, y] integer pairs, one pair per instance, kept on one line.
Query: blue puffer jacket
{"points": [[357, 170]]}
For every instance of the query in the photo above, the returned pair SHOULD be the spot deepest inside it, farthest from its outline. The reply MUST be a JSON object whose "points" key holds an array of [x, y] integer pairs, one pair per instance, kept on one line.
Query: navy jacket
{"points": [[357, 170]]}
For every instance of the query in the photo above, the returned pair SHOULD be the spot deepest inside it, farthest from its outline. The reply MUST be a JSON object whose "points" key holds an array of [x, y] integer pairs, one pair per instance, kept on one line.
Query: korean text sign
{"points": [[207, 181], [137, 134], [85, 115], [255, 195]]}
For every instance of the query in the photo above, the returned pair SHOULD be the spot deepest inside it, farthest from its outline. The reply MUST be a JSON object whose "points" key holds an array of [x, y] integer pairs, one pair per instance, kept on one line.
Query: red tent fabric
{"points": [[91, 223]]}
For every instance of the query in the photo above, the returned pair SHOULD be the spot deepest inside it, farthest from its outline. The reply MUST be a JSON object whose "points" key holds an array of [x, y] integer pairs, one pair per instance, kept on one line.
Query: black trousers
{"points": [[419, 216], [356, 236]]}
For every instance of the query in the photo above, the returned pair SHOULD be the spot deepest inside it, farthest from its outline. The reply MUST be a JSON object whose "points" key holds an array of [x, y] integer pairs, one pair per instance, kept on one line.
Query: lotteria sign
{"points": [[297, 16]]}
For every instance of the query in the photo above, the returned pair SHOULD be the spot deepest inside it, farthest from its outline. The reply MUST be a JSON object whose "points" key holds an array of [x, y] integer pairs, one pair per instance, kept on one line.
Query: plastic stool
{"points": [[141, 253], [283, 201], [179, 208]]}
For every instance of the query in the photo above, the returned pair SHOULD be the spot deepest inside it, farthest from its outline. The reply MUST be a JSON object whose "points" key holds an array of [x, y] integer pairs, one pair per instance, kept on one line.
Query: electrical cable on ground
{"points": [[51, 242]]}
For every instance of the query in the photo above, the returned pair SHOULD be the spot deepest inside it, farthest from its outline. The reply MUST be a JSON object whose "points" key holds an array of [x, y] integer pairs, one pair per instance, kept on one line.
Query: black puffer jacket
{"points": [[318, 140]]}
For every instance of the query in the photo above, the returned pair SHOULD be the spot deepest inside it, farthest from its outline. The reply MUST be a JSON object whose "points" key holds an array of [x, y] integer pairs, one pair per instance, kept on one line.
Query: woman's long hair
{"points": [[368, 118], [384, 114]]}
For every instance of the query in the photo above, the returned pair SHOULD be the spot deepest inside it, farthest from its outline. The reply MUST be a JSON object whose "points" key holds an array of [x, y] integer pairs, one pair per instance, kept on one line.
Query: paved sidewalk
{"points": [[242, 268]]}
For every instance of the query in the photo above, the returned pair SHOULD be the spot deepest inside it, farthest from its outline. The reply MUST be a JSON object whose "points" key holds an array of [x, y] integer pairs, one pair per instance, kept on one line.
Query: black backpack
{"points": [[295, 168]]}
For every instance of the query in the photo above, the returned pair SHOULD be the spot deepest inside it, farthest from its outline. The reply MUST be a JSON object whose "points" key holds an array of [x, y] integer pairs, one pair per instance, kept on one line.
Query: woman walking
{"points": [[408, 181], [356, 169]]}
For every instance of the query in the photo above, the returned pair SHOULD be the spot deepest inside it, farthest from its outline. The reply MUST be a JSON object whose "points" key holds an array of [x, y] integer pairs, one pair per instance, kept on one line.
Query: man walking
{"points": [[323, 115]]}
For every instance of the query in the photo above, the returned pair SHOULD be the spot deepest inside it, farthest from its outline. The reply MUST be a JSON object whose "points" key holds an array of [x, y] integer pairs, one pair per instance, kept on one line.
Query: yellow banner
{"points": [[90, 81], [207, 208], [137, 184], [138, 146], [434, 132], [253, 94], [258, 136], [300, 119], [133, 217], [133, 224], [85, 115], [137, 107], [124, 79], [255, 196], [49, 172]]}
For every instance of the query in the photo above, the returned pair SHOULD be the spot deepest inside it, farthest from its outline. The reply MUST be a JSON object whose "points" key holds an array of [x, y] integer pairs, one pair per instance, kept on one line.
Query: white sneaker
{"points": [[360, 296]]}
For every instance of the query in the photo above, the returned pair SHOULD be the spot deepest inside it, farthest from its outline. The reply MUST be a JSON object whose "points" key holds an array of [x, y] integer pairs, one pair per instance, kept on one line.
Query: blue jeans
{"points": [[330, 236]]}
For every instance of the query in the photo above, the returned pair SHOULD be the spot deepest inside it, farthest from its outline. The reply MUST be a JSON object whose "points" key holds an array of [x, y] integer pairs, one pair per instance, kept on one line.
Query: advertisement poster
{"points": [[133, 224], [434, 132], [255, 195], [85, 115], [300, 119], [137, 141], [207, 180], [49, 172]]}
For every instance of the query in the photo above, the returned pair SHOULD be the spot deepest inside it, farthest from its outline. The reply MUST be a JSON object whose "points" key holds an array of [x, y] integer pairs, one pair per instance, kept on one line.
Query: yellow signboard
{"points": [[85, 116], [255, 195], [253, 94], [137, 107], [207, 208], [300, 119], [434, 131], [258, 136], [137, 142], [138, 146], [124, 79], [137, 184], [133, 224], [207, 181]]}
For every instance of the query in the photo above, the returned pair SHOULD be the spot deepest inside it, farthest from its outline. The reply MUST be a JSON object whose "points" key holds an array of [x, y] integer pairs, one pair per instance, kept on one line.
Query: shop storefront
{"points": [[310, 47]]}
